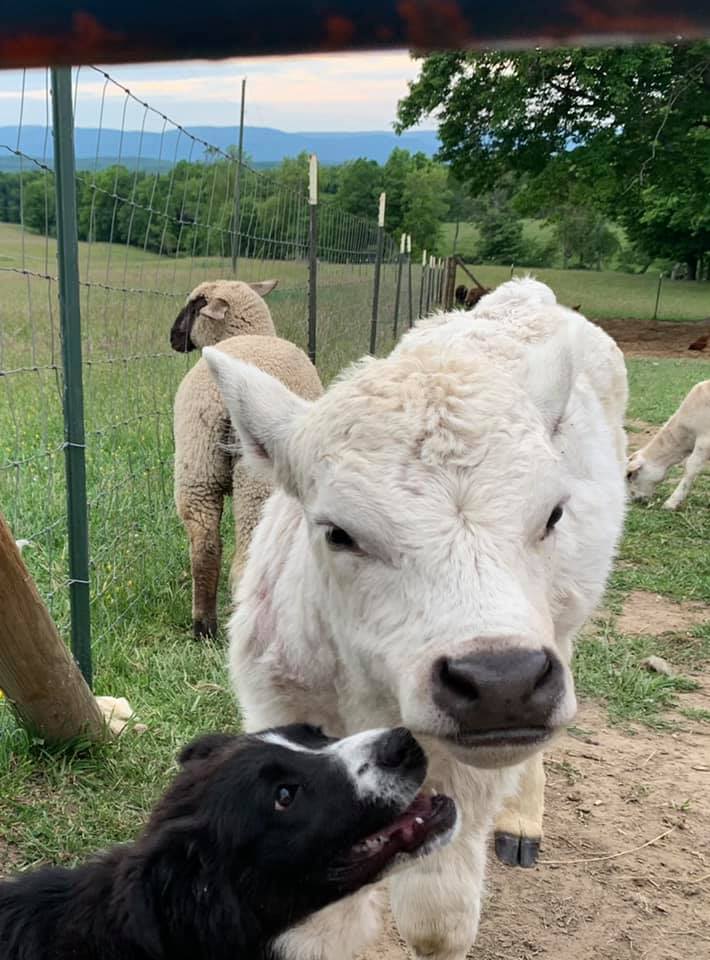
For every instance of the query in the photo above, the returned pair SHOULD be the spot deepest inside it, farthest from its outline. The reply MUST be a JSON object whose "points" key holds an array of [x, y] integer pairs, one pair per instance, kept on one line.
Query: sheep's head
{"points": [[642, 476], [220, 309]]}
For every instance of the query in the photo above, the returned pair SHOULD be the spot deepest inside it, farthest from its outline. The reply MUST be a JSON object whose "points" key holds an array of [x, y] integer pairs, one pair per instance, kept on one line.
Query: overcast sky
{"points": [[334, 92]]}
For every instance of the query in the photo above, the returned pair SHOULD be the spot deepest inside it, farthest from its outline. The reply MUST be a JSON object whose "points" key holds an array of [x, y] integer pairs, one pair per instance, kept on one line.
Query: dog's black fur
{"points": [[221, 869]]}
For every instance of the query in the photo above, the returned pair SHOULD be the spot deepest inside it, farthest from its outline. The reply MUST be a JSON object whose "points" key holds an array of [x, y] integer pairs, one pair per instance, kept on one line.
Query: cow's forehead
{"points": [[430, 406]]}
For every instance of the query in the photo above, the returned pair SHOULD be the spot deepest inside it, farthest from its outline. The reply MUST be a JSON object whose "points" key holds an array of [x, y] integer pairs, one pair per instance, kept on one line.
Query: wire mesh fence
{"points": [[152, 224]]}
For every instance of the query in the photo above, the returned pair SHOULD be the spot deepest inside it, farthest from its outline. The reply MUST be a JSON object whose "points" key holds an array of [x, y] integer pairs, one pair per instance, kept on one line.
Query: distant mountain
{"points": [[265, 146]]}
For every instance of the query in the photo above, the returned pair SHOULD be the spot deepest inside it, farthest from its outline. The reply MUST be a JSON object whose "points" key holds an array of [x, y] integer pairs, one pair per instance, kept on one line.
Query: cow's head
{"points": [[439, 517]]}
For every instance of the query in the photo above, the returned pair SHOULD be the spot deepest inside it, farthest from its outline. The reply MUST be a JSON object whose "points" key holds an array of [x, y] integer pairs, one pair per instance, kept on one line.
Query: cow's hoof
{"points": [[517, 851], [204, 629]]}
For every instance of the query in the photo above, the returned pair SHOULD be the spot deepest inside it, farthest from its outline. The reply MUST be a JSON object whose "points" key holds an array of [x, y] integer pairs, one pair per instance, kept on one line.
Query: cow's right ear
{"points": [[263, 412]]}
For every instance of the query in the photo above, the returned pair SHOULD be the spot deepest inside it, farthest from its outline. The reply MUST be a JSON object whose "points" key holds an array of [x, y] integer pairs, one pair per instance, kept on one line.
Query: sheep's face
{"points": [[216, 311], [642, 476]]}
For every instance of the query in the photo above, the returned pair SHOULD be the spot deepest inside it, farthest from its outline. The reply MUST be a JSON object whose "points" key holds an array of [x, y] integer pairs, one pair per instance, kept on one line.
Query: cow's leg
{"points": [[519, 825], [342, 931], [693, 465], [201, 518], [437, 903]]}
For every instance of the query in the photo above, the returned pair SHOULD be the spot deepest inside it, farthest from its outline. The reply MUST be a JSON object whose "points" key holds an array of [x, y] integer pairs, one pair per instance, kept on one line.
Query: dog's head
{"points": [[259, 831]]}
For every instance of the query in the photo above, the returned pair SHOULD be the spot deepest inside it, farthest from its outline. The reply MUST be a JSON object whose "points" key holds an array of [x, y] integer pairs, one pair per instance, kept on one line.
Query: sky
{"points": [[353, 91]]}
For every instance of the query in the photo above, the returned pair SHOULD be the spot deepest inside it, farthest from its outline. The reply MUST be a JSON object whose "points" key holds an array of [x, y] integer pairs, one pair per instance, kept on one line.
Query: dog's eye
{"points": [[338, 539], [285, 795], [553, 519]]}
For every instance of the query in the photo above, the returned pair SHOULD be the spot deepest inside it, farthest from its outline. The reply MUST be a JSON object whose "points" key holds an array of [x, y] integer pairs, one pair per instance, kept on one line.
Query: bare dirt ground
{"points": [[625, 871], [654, 615], [649, 338]]}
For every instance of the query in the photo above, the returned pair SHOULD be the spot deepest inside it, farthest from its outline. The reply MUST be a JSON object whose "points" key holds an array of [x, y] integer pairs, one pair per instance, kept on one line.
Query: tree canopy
{"points": [[625, 130]]}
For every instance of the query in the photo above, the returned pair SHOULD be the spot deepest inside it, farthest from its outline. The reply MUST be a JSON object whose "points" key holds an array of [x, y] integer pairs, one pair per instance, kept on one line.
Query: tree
{"points": [[39, 207], [425, 203], [360, 185], [584, 234], [630, 125], [500, 227]]}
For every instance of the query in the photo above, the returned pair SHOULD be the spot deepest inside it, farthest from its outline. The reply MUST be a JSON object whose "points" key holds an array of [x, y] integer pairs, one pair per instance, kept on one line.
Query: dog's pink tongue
{"points": [[407, 832]]}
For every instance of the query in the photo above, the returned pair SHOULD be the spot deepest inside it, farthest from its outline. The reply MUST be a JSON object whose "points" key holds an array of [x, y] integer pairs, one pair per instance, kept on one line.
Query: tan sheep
{"points": [[685, 435], [207, 465]]}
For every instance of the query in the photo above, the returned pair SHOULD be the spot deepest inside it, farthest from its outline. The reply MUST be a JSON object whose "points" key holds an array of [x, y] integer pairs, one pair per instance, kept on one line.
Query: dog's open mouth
{"points": [[423, 826]]}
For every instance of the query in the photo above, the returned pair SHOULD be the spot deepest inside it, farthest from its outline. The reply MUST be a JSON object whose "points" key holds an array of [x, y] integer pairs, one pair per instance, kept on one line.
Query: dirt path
{"points": [[649, 338], [609, 792]]}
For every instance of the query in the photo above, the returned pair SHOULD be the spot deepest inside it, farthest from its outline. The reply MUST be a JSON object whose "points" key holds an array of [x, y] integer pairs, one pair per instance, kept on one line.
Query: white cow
{"points": [[444, 522]]}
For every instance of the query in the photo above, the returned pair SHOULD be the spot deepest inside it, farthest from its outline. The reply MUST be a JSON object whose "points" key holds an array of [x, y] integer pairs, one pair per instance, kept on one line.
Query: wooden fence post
{"points": [[38, 674]]}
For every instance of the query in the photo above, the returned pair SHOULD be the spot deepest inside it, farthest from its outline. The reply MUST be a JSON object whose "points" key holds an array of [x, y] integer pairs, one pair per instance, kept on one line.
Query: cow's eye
{"points": [[284, 796], [339, 539], [553, 519]]}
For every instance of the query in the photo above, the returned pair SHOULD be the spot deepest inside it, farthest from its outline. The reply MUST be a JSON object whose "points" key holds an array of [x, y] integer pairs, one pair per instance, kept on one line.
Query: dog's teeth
{"points": [[418, 820]]}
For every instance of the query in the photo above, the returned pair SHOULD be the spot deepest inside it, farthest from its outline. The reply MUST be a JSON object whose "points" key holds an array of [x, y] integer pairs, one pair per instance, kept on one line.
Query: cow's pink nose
{"points": [[499, 690]]}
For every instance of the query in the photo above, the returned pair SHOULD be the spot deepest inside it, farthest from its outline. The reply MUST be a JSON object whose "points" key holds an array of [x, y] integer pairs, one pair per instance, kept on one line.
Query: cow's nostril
{"points": [[457, 681], [545, 673]]}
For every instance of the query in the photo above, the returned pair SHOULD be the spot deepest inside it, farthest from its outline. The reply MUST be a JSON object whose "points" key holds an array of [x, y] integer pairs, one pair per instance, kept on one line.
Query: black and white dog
{"points": [[254, 835]]}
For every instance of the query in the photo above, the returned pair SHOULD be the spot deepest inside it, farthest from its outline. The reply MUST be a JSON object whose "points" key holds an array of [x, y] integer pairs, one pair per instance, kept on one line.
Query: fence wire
{"points": [[152, 224]]}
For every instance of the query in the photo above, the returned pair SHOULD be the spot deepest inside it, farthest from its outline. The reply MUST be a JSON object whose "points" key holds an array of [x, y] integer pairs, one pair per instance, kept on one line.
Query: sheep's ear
{"points": [[216, 309], [263, 287], [551, 372], [633, 465], [263, 412]]}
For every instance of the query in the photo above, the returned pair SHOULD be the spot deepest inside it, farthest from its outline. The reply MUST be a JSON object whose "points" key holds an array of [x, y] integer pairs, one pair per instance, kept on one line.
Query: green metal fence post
{"points": [[70, 320]]}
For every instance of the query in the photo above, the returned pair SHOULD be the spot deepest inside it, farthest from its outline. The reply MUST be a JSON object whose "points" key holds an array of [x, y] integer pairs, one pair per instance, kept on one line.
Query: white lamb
{"points": [[207, 464], [685, 435], [444, 524]]}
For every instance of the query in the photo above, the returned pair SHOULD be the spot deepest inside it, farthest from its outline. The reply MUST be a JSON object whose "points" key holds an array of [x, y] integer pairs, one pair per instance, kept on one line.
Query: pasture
{"points": [[627, 850]]}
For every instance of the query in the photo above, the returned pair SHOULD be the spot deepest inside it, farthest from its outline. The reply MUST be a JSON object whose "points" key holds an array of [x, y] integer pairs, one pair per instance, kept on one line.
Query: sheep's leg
{"points": [[519, 825], [437, 902], [693, 465], [248, 498], [201, 522]]}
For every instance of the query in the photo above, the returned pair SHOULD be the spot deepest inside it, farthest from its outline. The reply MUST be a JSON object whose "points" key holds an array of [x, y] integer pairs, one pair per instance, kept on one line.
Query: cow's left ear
{"points": [[552, 368], [263, 412]]}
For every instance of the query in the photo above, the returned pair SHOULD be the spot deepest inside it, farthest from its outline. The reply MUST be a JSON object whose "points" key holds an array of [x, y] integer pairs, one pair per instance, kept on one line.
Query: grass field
{"points": [[59, 806]]}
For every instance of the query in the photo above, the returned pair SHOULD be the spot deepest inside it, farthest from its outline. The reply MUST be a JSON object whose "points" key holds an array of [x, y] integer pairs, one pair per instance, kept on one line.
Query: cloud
{"points": [[323, 92]]}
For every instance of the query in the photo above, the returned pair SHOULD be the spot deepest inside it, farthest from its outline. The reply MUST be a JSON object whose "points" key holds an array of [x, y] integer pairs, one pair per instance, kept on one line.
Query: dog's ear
{"points": [[180, 331], [203, 746]]}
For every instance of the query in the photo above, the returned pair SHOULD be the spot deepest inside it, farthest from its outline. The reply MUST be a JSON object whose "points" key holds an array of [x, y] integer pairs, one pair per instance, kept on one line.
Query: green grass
{"points": [[606, 294], [657, 387], [608, 667], [59, 806]]}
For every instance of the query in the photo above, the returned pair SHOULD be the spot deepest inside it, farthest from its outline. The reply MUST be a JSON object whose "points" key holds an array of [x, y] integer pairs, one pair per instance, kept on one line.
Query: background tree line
{"points": [[587, 158], [189, 209]]}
